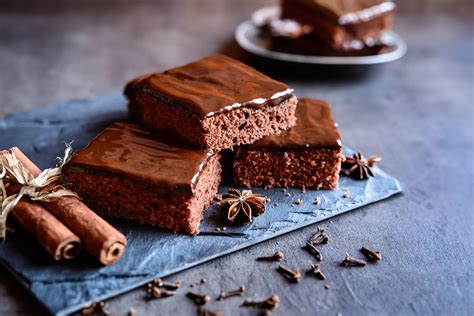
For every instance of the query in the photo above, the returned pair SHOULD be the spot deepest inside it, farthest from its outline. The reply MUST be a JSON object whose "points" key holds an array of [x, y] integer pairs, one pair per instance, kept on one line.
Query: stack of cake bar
{"points": [[164, 166], [330, 27]]}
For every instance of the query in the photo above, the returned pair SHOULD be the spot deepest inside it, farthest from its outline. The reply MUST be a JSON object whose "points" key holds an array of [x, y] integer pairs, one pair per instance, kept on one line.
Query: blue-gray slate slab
{"points": [[64, 287]]}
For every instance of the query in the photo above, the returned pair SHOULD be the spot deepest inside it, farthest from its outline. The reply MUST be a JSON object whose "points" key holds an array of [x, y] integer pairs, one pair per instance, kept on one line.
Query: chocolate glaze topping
{"points": [[315, 128], [159, 159], [350, 11], [211, 85]]}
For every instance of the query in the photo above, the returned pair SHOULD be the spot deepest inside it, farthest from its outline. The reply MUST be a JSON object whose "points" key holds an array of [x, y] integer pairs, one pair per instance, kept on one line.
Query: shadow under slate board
{"points": [[65, 287]]}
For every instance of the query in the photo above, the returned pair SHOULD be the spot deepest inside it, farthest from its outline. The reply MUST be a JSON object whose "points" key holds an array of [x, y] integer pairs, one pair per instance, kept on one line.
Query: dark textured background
{"points": [[416, 113]]}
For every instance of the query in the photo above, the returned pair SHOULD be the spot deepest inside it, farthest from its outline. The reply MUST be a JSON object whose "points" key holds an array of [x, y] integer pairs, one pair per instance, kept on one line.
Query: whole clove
{"points": [[99, 308], [313, 250], [371, 255], [316, 271], [205, 312], [277, 256], [319, 238], [292, 275], [167, 285], [350, 261], [270, 303], [223, 295], [155, 292], [198, 299]]}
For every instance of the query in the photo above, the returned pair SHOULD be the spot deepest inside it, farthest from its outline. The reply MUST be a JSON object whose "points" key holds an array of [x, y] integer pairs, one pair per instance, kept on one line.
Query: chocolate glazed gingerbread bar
{"points": [[216, 103], [157, 179], [307, 156], [340, 23]]}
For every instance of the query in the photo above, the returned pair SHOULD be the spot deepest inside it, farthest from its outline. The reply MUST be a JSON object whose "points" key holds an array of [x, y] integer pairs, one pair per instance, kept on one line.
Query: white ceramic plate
{"points": [[247, 36]]}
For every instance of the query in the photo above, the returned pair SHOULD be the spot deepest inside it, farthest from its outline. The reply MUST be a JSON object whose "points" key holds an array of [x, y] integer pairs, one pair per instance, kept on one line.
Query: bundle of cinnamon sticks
{"points": [[65, 225]]}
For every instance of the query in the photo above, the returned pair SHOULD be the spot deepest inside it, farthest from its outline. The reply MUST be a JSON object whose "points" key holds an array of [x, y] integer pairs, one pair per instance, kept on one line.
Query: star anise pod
{"points": [[359, 168], [243, 206]]}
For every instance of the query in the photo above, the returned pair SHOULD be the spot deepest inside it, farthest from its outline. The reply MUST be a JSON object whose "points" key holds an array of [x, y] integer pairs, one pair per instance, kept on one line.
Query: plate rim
{"points": [[248, 25]]}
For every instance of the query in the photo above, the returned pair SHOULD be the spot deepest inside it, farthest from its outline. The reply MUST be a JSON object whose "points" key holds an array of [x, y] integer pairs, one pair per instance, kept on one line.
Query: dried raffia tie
{"points": [[36, 188]]}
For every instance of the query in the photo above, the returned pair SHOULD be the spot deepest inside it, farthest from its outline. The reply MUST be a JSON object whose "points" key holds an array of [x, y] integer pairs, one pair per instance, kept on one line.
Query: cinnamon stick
{"points": [[98, 237], [46, 229], [56, 238]]}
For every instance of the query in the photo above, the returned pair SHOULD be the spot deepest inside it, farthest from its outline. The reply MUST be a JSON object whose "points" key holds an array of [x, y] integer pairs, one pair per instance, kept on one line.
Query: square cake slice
{"points": [[307, 156], [216, 103], [157, 179], [343, 24]]}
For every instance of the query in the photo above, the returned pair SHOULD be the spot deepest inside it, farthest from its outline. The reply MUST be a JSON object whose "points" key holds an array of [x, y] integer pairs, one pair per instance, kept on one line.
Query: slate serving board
{"points": [[65, 287]]}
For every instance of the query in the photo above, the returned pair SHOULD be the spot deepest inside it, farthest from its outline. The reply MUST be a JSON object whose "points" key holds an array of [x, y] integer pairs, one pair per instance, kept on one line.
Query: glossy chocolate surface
{"points": [[159, 159], [211, 85], [315, 128], [348, 11]]}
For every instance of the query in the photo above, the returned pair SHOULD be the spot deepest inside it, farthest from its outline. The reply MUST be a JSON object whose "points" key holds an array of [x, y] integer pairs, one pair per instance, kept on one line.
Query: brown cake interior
{"points": [[244, 125], [310, 169], [179, 210]]}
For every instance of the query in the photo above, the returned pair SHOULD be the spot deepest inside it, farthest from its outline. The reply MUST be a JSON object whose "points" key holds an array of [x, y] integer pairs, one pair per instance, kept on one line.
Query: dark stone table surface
{"points": [[417, 113]]}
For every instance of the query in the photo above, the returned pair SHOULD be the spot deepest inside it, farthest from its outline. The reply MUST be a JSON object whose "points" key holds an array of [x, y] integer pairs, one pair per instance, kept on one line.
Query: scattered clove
{"points": [[313, 250], [198, 299], [223, 295], [350, 261], [316, 271], [270, 303], [277, 256], [99, 308], [371, 255], [292, 275], [155, 292], [205, 312], [164, 284], [319, 238]]}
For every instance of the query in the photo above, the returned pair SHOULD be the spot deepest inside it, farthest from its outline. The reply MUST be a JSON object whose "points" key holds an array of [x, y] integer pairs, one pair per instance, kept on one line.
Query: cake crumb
{"points": [[132, 311], [346, 194], [317, 200], [327, 286], [299, 201]]}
